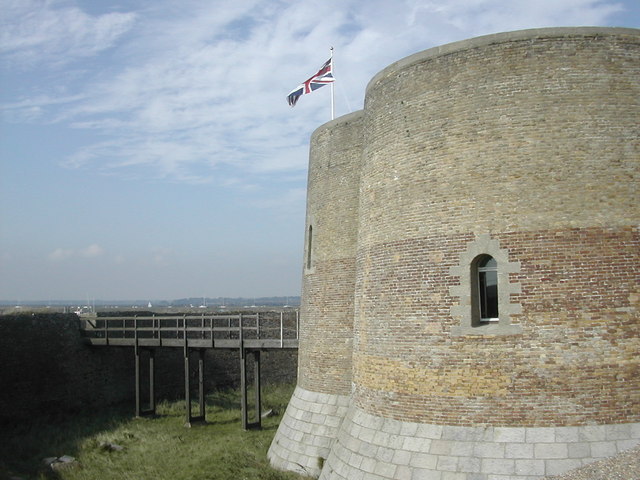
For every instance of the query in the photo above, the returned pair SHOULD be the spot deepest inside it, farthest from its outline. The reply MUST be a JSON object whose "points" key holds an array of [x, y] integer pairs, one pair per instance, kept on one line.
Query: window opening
{"points": [[309, 241], [484, 291], [488, 288]]}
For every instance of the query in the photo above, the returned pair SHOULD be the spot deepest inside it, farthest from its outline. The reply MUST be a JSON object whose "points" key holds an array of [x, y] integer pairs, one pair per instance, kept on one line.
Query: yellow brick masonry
{"points": [[527, 133], [527, 143], [530, 139], [406, 377]]}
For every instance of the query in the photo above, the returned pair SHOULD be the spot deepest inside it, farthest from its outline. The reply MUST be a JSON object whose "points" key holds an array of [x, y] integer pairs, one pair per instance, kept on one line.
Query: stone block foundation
{"points": [[375, 448], [307, 431]]}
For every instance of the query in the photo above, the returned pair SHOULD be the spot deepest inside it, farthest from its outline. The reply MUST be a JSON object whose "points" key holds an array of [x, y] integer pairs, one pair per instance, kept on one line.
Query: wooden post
{"points": [[140, 411], [243, 378], [201, 383], [137, 354], [256, 384], [243, 390], [137, 367], [187, 383], [152, 381], [155, 332], [257, 423]]}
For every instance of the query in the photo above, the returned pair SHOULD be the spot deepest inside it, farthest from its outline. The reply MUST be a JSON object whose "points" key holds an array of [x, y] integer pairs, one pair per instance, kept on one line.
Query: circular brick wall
{"points": [[525, 146], [321, 398], [326, 315]]}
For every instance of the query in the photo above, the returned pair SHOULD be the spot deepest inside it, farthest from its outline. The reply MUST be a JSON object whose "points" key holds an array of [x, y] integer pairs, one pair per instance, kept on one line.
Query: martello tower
{"points": [[471, 278]]}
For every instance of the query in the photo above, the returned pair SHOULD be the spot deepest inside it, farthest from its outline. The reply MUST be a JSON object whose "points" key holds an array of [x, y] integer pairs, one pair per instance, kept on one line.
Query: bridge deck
{"points": [[248, 331], [249, 343]]}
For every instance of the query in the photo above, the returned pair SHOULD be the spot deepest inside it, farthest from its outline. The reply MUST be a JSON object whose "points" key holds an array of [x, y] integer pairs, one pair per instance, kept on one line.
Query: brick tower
{"points": [[491, 234], [322, 395]]}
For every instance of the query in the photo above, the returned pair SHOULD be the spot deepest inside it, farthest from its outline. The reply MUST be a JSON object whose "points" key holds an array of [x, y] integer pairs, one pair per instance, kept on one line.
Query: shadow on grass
{"points": [[227, 399], [25, 444]]}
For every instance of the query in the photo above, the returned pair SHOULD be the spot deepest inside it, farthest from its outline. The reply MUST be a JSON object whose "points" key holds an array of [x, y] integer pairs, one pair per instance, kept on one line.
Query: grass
{"points": [[159, 448]]}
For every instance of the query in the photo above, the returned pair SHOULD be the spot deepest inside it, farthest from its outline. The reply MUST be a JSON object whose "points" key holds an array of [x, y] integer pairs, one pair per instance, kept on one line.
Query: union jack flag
{"points": [[320, 79]]}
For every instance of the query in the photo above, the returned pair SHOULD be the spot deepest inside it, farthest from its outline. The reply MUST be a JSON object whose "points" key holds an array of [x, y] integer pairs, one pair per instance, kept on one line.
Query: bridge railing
{"points": [[261, 325]]}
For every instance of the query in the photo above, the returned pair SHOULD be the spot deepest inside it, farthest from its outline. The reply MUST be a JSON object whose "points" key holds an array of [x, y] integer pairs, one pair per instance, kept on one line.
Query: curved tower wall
{"points": [[531, 143], [523, 146], [322, 395]]}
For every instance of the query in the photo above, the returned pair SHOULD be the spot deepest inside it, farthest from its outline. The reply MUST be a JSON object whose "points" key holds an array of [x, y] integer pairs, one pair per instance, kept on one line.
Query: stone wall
{"points": [[378, 448], [310, 423], [326, 312], [524, 146], [46, 368], [528, 140]]}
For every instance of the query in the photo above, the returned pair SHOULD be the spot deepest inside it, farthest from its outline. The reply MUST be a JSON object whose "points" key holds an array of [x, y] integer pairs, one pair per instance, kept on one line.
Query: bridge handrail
{"points": [[185, 326]]}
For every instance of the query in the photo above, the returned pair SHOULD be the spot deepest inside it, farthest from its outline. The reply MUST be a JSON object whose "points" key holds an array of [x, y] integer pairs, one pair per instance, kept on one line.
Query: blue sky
{"points": [[147, 149]]}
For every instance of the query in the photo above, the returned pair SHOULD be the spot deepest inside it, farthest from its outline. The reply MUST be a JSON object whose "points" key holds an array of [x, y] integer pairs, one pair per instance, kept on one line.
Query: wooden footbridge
{"points": [[249, 333]]}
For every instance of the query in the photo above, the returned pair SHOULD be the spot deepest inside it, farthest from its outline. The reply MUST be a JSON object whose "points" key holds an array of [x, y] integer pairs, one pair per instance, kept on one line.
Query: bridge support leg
{"points": [[256, 384], [243, 388], [152, 398], [201, 354], [190, 419], [152, 381], [246, 425], [187, 388]]}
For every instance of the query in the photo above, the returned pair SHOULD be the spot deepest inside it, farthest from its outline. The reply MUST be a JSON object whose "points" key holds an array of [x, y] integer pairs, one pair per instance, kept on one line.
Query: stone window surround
{"points": [[466, 310]]}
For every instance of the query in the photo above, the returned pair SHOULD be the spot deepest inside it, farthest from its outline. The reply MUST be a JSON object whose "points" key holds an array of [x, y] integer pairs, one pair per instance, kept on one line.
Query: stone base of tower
{"points": [[371, 447], [307, 431]]}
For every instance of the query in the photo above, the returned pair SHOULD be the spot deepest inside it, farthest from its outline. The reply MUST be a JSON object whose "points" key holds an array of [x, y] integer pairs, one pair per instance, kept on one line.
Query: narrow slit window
{"points": [[488, 289], [309, 242]]}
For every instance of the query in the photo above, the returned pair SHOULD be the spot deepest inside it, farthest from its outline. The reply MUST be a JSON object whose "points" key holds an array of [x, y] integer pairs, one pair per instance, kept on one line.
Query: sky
{"points": [[147, 150]]}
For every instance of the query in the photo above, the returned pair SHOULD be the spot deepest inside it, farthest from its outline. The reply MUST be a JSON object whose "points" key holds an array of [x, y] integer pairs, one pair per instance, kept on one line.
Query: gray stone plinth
{"points": [[370, 447], [307, 431]]}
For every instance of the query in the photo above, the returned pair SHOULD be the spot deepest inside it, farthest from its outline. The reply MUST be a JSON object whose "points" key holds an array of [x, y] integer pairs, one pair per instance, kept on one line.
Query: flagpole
{"points": [[332, 96]]}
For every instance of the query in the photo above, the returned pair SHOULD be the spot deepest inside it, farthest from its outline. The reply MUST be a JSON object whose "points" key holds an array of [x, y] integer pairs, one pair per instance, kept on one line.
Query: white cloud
{"points": [[60, 254], [198, 91], [285, 202], [40, 31], [91, 251], [34, 108], [161, 256], [477, 17]]}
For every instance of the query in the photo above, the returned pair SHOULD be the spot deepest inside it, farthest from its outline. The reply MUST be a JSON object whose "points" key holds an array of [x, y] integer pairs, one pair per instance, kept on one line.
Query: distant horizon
{"points": [[194, 301]]}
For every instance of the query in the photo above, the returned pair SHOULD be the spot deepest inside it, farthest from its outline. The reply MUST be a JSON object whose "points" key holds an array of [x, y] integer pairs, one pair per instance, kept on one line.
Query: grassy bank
{"points": [[159, 448]]}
